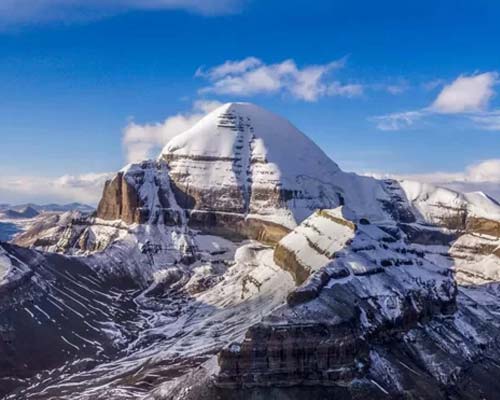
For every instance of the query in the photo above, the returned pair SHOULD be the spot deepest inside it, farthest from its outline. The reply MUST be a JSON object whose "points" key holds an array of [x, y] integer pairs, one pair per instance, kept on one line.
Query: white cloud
{"points": [[139, 141], [489, 121], [252, 76], [145, 141], [432, 84], [394, 86], [14, 12], [485, 171], [230, 67], [466, 94], [480, 172], [86, 188], [483, 176], [347, 90], [396, 89], [397, 121]]}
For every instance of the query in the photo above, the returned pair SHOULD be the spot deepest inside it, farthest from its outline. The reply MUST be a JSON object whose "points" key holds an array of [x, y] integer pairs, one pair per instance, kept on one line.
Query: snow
{"points": [[240, 145], [288, 151], [434, 202], [203, 323], [243, 147], [382, 367], [315, 241], [483, 206], [5, 264], [384, 269], [11, 268]]}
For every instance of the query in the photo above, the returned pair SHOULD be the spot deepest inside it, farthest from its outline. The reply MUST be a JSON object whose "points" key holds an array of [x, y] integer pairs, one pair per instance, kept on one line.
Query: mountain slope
{"points": [[25, 213]]}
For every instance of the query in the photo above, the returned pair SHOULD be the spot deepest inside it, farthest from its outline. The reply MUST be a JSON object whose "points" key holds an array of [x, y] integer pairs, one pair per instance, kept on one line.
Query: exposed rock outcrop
{"points": [[483, 226], [311, 245], [120, 200], [236, 226], [301, 354]]}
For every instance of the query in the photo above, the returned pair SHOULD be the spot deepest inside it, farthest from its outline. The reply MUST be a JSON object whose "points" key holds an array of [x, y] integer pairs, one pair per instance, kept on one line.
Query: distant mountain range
{"points": [[28, 210], [15, 219]]}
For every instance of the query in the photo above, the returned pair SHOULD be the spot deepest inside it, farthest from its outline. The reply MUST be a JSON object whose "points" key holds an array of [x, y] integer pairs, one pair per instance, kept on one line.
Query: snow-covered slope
{"points": [[436, 204], [313, 243], [251, 133]]}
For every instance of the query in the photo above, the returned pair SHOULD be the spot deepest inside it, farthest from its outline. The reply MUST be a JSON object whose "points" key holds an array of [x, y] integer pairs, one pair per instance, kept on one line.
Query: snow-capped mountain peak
{"points": [[245, 130], [257, 160]]}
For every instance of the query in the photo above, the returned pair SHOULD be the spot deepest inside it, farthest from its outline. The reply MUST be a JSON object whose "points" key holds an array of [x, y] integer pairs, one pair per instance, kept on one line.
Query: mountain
{"points": [[84, 208], [16, 219], [24, 213], [244, 263], [49, 207]]}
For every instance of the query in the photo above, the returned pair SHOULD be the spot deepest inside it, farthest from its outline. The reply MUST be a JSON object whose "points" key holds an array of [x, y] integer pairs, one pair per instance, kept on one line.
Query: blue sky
{"points": [[405, 88]]}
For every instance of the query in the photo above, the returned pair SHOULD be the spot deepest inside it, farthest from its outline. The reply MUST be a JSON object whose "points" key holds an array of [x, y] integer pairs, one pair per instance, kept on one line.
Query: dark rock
{"points": [[235, 226], [120, 201], [483, 226], [287, 260], [293, 355]]}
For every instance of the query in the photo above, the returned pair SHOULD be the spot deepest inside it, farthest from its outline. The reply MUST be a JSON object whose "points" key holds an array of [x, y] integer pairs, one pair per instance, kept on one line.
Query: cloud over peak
{"points": [[251, 76], [485, 171], [142, 142]]}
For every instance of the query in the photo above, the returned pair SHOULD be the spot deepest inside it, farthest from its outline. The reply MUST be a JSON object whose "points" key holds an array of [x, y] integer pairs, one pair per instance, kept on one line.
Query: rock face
{"points": [[120, 200], [483, 226], [313, 243], [47, 231], [236, 227], [304, 354]]}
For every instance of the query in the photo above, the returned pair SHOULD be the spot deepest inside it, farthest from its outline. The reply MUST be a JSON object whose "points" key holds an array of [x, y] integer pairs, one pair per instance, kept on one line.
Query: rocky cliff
{"points": [[120, 200]]}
